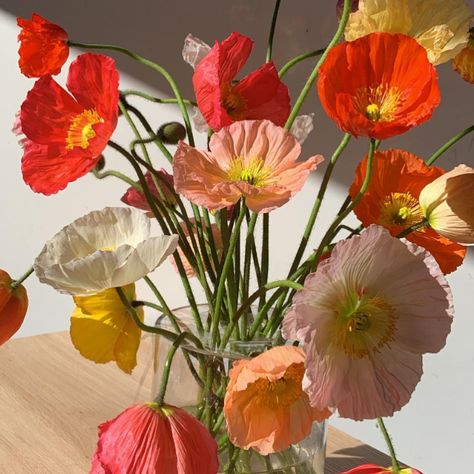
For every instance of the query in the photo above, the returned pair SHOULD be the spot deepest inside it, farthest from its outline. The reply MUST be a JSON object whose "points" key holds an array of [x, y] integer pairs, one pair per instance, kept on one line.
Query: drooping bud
{"points": [[171, 133], [100, 165]]}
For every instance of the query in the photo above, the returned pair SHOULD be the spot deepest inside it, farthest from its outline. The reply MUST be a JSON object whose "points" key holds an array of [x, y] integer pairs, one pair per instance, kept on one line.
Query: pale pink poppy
{"points": [[268, 388], [151, 439], [253, 159], [366, 317]]}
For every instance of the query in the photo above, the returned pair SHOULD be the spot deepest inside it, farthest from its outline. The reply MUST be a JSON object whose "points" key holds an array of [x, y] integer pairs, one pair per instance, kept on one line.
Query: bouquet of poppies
{"points": [[345, 329]]}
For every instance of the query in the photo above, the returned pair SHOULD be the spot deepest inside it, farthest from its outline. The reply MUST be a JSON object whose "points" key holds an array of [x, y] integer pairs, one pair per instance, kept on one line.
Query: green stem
{"points": [[395, 464], [116, 174], [148, 304], [167, 368], [448, 145], [298, 59], [224, 272], [152, 65], [131, 92], [272, 31], [265, 255], [20, 280], [314, 74], [414, 227]]}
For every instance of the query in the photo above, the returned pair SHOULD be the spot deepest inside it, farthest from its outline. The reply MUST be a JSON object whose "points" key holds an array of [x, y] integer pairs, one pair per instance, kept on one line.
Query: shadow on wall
{"points": [[156, 29]]}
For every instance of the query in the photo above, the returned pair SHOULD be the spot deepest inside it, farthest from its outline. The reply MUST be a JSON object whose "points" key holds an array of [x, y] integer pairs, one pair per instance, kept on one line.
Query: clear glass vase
{"points": [[187, 389]]}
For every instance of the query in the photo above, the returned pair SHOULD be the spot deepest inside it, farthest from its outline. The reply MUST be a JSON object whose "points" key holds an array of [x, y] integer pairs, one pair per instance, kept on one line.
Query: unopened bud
{"points": [[171, 133], [100, 165]]}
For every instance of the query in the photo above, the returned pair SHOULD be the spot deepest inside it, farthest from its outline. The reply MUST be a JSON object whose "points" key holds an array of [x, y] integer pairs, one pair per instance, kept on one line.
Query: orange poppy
{"points": [[43, 46], [268, 388], [379, 85], [463, 63], [392, 200]]}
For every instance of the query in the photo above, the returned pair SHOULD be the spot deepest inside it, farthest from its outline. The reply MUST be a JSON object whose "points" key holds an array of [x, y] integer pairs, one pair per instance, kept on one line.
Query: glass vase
{"points": [[189, 388]]}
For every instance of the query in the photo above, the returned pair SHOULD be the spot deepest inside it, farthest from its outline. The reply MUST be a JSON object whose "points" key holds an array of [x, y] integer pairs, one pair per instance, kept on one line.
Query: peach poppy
{"points": [[43, 46], [154, 439], [269, 388], [463, 63], [13, 307], [391, 200], [379, 85], [447, 205], [374, 469], [251, 159], [366, 317], [221, 100]]}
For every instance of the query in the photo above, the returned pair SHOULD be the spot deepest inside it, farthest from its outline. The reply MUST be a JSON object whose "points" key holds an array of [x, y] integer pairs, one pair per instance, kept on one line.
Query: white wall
{"points": [[434, 432]]}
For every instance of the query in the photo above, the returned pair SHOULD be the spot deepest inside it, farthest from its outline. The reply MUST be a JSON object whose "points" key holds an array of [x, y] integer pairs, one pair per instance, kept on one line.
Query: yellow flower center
{"points": [[400, 209], [233, 102], [253, 171], [281, 392], [81, 129], [366, 328], [378, 104]]}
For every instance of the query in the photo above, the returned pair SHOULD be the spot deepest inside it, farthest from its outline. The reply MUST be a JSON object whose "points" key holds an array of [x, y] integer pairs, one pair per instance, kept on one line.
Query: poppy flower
{"points": [[13, 306], [43, 46], [446, 204], [154, 439], [103, 249], [137, 199], [374, 469], [269, 388], [378, 86], [221, 100], [366, 317], [463, 63], [392, 200], [254, 159], [66, 134], [102, 329], [440, 26]]}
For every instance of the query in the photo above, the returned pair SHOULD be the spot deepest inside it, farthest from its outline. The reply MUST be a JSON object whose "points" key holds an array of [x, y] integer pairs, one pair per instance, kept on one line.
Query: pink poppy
{"points": [[365, 317], [153, 439], [251, 159]]}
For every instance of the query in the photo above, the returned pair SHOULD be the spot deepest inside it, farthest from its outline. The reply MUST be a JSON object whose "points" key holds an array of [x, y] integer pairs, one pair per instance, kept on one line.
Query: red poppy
{"points": [[379, 85], [65, 134], [44, 46], [259, 95], [392, 197], [374, 469]]}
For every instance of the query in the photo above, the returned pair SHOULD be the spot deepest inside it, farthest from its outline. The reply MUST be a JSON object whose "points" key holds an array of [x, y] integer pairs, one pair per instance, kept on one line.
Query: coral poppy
{"points": [[137, 199], [217, 243], [447, 205], [440, 26], [103, 249], [379, 86], [374, 469], [365, 317], [253, 159], [259, 95], [391, 200], [102, 329], [66, 134], [463, 63], [269, 388], [43, 46], [152, 439], [13, 307]]}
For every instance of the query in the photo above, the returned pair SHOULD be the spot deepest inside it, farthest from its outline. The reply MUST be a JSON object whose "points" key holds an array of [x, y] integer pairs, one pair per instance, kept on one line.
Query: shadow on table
{"points": [[348, 458]]}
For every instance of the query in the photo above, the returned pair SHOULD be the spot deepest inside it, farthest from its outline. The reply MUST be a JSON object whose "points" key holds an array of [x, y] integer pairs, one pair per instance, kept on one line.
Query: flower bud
{"points": [[100, 165], [13, 306], [171, 133], [447, 205]]}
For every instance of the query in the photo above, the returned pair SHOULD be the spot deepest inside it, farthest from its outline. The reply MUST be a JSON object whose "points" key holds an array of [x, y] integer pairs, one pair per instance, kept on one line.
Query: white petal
{"points": [[194, 50], [199, 121], [302, 127]]}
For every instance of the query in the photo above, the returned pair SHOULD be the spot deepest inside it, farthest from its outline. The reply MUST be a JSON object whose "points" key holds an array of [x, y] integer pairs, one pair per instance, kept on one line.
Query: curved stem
{"points": [[116, 174], [312, 78], [383, 429], [298, 59], [448, 145], [151, 98], [152, 65], [22, 278], [272, 31]]}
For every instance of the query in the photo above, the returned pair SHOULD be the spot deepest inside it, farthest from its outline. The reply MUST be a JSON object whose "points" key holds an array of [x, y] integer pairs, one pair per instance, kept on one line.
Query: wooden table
{"points": [[52, 399]]}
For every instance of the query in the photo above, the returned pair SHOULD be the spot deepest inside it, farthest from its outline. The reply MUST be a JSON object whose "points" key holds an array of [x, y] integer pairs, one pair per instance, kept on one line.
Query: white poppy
{"points": [[103, 249]]}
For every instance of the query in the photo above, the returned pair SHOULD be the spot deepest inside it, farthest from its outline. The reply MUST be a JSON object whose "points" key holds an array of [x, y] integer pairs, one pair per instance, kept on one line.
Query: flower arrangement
{"points": [[345, 330]]}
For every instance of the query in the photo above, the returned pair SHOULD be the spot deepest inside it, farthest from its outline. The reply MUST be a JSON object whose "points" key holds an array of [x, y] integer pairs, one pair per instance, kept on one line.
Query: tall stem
{"points": [[298, 59], [272, 31], [312, 78], [383, 429], [448, 145]]}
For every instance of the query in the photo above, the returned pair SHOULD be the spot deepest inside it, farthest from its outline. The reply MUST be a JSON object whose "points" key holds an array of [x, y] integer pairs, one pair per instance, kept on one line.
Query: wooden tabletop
{"points": [[52, 399]]}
